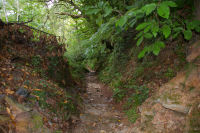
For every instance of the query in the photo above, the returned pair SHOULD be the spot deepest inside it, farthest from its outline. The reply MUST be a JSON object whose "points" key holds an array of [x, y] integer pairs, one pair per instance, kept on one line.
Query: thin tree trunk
{"points": [[17, 10], [4, 8]]}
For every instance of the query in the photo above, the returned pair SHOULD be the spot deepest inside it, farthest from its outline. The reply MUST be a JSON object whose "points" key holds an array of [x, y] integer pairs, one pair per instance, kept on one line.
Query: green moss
{"points": [[132, 114], [169, 73], [37, 121], [58, 132]]}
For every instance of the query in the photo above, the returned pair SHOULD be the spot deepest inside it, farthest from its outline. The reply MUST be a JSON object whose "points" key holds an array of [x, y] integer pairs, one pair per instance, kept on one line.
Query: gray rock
{"points": [[23, 93], [2, 96], [177, 108]]}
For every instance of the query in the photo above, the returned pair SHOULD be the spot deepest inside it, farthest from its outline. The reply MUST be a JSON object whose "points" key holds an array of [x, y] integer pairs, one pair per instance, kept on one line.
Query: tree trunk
{"points": [[4, 8], [18, 10]]}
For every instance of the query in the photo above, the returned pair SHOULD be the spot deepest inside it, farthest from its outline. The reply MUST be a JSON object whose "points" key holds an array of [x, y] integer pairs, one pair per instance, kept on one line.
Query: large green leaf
{"points": [[143, 52], [149, 8], [92, 11], [187, 34], [139, 35], [99, 20], [108, 10], [148, 35], [163, 10], [170, 3], [190, 25], [121, 22], [157, 47], [139, 41], [166, 30], [155, 29], [142, 25], [147, 28]]}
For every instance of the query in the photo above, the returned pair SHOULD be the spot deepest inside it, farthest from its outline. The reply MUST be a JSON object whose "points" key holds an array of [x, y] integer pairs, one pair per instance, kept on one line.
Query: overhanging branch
{"points": [[71, 15]]}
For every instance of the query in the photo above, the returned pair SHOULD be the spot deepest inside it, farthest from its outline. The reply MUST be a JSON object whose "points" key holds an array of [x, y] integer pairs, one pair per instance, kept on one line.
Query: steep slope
{"points": [[175, 107], [35, 84]]}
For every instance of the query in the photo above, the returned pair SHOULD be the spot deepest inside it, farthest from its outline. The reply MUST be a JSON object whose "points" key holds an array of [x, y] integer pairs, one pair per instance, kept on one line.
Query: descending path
{"points": [[99, 115]]}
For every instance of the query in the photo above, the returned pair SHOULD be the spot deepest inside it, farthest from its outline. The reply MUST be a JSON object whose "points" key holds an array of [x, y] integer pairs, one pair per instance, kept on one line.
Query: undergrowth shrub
{"points": [[140, 94], [119, 94]]}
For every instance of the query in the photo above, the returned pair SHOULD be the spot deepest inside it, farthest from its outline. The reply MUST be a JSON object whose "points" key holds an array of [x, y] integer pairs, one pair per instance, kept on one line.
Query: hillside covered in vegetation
{"points": [[97, 66]]}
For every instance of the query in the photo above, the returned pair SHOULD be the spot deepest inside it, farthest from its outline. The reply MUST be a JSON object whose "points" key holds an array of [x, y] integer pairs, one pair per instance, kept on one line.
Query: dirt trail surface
{"points": [[100, 115]]}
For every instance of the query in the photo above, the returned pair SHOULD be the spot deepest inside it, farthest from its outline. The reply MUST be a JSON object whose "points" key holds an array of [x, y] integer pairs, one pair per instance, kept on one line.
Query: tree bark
{"points": [[18, 10], [4, 8]]}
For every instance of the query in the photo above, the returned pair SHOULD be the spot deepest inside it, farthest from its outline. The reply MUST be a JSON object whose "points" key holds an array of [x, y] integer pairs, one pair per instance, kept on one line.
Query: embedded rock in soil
{"points": [[30, 122], [174, 107], [22, 94], [26, 120]]}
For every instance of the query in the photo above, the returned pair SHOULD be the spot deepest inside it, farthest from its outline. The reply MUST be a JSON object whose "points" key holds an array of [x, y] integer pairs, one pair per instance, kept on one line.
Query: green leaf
{"points": [[121, 22], [170, 3], [100, 4], [132, 22], [139, 35], [157, 47], [155, 29], [143, 52], [149, 8], [166, 30], [190, 26], [177, 31], [108, 10], [148, 35], [139, 41], [193, 25], [187, 34], [156, 51], [92, 11], [147, 28], [163, 10], [99, 20], [175, 35], [142, 26]]}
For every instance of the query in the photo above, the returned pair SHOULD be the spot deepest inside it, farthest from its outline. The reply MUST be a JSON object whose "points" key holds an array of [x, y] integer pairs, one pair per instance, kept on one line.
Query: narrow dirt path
{"points": [[99, 115]]}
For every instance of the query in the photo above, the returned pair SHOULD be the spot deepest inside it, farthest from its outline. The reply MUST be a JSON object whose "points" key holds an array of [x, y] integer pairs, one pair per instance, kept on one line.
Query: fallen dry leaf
{"points": [[37, 89], [10, 114], [37, 97], [8, 91], [25, 86]]}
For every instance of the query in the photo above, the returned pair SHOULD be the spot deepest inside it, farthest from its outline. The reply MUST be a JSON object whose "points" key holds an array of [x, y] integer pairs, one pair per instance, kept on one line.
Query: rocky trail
{"points": [[100, 115]]}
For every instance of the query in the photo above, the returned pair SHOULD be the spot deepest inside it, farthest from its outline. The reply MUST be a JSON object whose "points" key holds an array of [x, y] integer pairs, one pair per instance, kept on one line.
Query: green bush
{"points": [[140, 94], [119, 94]]}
